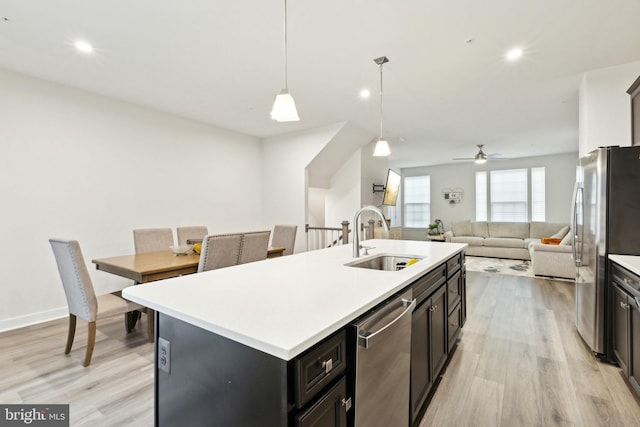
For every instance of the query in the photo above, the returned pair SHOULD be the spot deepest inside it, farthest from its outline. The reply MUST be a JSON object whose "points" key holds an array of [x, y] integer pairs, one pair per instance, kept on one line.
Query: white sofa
{"points": [[518, 240]]}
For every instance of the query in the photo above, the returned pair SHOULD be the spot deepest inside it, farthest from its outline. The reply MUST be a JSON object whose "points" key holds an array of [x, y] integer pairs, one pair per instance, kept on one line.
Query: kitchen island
{"points": [[231, 342]]}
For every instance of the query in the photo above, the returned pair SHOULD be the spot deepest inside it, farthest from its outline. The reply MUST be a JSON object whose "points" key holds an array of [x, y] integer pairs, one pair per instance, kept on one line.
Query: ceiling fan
{"points": [[481, 156]]}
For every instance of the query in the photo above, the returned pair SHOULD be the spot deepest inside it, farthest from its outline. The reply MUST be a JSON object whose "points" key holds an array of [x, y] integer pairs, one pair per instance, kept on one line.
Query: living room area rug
{"points": [[515, 267]]}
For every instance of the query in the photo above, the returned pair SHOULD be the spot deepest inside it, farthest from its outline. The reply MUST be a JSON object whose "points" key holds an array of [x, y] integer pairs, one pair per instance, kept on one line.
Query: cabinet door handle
{"points": [[624, 305], [327, 365], [346, 402]]}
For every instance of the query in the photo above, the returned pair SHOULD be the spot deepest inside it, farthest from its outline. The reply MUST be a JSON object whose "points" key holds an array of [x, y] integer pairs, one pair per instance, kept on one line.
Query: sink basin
{"points": [[383, 262]]}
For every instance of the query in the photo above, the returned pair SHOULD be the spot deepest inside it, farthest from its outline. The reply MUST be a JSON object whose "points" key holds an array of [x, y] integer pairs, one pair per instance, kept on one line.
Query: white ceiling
{"points": [[221, 62]]}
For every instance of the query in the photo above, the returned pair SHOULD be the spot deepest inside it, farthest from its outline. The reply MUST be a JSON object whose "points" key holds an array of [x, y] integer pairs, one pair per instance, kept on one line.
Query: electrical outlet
{"points": [[164, 355]]}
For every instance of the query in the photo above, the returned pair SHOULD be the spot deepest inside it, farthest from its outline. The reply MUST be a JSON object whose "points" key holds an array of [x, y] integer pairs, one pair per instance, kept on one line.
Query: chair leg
{"points": [[90, 343], [151, 318], [71, 334], [129, 321]]}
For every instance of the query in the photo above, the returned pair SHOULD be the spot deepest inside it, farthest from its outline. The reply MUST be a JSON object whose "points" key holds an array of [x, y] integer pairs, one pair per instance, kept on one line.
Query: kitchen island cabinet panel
{"points": [[429, 347], [209, 376], [454, 327], [329, 411], [438, 337], [420, 375]]}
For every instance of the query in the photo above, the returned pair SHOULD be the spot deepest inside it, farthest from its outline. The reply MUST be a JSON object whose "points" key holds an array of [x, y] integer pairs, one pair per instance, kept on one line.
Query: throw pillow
{"points": [[551, 240], [566, 240], [462, 228], [563, 231], [480, 229]]}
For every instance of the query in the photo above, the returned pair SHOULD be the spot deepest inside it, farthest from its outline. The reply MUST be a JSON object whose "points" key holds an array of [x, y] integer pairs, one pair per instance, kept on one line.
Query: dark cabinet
{"points": [[435, 327], [438, 332], [621, 328], [454, 290], [428, 346], [626, 322], [330, 410], [318, 403], [463, 303], [318, 367], [454, 327], [634, 344]]}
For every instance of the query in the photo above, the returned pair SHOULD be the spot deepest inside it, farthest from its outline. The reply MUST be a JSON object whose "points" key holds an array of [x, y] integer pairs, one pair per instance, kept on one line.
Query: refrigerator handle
{"points": [[577, 191]]}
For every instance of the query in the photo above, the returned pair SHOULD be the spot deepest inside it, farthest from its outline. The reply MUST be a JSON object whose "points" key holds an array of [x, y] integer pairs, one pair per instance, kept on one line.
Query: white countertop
{"points": [[630, 262], [285, 305]]}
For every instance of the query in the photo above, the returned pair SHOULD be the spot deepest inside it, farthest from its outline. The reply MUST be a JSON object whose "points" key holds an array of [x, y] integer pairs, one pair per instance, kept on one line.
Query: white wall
{"points": [[343, 195], [316, 206], [605, 107], [80, 166], [559, 182], [374, 171], [284, 177]]}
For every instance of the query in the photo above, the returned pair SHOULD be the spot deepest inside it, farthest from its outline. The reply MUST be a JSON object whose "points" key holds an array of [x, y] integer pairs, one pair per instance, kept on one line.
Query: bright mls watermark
{"points": [[34, 415]]}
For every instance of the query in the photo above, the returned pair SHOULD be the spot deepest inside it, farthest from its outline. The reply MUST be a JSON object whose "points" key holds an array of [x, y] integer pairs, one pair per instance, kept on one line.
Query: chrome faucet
{"points": [[356, 224]]}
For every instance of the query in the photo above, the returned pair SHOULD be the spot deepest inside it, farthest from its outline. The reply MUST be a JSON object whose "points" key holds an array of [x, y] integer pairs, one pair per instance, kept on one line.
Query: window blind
{"points": [[537, 194], [509, 195], [417, 199], [481, 196]]}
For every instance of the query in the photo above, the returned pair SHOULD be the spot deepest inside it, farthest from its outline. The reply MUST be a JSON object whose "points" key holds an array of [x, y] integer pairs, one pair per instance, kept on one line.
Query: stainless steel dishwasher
{"points": [[382, 364]]}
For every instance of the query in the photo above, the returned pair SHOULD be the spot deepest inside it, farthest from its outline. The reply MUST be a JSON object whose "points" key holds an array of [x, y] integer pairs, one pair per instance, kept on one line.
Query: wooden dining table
{"points": [[152, 266]]}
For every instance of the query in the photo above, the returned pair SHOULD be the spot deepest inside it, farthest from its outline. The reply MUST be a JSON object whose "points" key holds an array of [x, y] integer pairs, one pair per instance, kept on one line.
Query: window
{"points": [[417, 198], [537, 194], [481, 196], [508, 195], [503, 195]]}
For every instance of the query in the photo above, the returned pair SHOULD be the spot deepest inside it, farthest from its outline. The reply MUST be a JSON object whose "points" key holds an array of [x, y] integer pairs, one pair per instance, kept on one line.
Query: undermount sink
{"points": [[383, 262]]}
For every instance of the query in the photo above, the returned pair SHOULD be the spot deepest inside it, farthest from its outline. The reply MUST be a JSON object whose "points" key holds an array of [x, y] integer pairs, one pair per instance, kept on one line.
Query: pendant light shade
{"points": [[284, 107], [382, 146]]}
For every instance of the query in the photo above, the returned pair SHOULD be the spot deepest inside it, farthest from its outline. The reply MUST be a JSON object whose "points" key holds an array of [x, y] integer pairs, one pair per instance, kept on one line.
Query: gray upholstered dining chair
{"points": [[152, 239], [219, 251], [193, 232], [284, 236], [254, 247], [82, 299]]}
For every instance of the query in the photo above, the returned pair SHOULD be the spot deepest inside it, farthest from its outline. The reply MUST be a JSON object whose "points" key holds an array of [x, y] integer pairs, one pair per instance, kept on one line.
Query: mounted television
{"points": [[391, 189]]}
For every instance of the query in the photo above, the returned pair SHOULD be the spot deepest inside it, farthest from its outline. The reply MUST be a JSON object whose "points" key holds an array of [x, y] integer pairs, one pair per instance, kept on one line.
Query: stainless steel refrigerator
{"points": [[606, 220]]}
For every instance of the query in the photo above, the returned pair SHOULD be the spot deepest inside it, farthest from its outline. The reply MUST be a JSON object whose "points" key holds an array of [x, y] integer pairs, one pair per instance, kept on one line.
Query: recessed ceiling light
{"points": [[514, 54], [83, 46], [4, 19], [365, 93]]}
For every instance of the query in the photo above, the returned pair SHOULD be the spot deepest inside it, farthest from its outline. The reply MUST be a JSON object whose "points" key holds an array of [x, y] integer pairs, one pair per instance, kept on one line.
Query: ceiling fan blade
{"points": [[463, 158]]}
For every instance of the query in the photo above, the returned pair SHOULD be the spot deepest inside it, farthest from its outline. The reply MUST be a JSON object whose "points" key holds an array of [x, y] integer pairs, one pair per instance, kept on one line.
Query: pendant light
{"points": [[382, 146], [284, 107]]}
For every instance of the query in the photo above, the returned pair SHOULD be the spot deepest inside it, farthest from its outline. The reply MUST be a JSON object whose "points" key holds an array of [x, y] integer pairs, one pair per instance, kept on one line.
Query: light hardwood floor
{"points": [[519, 363]]}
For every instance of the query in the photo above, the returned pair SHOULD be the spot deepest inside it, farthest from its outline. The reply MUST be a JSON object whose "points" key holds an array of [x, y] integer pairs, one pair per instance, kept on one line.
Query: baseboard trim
{"points": [[32, 319]]}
